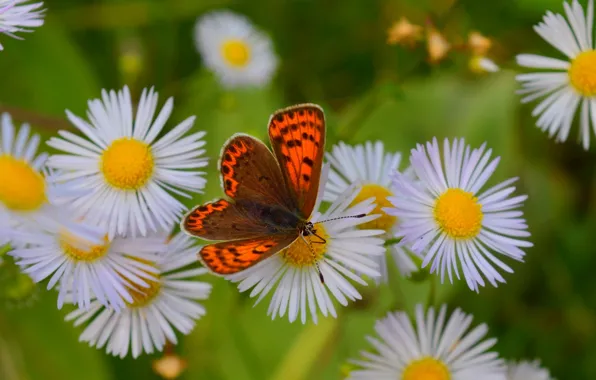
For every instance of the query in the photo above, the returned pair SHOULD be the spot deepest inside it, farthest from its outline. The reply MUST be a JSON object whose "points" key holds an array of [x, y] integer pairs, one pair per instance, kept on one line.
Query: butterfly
{"points": [[271, 194]]}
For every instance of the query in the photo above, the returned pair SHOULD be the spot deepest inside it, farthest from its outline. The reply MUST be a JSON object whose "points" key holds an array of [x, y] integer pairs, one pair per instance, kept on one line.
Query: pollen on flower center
{"points": [[22, 188], [236, 53], [380, 193], [141, 296], [582, 73], [426, 369], [458, 213], [299, 254], [127, 164], [78, 250]]}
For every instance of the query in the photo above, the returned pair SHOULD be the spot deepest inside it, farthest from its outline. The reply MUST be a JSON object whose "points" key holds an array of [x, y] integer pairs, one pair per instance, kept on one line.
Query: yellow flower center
{"points": [[142, 297], [426, 369], [299, 254], [459, 214], [127, 164], [79, 250], [380, 193], [236, 53], [22, 188], [582, 73]]}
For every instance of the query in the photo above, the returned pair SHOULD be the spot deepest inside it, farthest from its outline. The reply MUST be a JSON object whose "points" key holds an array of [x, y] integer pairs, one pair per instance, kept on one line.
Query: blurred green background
{"points": [[333, 53]]}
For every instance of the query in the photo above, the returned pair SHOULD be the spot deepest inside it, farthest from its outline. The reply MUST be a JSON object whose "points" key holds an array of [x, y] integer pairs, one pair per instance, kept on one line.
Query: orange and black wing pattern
{"points": [[222, 220], [249, 171], [297, 136], [234, 256]]}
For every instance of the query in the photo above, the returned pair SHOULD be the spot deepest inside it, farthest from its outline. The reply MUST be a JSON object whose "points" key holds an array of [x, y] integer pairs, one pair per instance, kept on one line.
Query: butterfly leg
{"points": [[322, 241], [314, 254]]}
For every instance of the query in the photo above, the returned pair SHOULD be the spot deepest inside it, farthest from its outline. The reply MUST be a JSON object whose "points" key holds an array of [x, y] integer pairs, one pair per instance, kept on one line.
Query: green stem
{"points": [[306, 350]]}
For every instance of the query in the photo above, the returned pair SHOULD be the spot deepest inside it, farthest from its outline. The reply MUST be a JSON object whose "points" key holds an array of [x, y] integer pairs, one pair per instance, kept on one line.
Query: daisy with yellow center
{"points": [[341, 252], [432, 348], [154, 313], [17, 16], [234, 50], [27, 201], [110, 271], [369, 167], [128, 168], [444, 216], [568, 84]]}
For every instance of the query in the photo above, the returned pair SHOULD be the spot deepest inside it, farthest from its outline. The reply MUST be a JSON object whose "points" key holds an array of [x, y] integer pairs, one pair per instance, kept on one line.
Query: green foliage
{"points": [[334, 54]]}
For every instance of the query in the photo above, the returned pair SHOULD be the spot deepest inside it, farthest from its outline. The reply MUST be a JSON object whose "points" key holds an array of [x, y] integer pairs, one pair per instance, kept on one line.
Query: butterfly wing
{"points": [[262, 204], [234, 256], [249, 171], [222, 220], [297, 136]]}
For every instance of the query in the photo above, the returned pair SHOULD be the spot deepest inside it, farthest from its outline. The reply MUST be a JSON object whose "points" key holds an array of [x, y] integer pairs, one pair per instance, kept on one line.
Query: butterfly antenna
{"points": [[341, 217], [314, 255]]}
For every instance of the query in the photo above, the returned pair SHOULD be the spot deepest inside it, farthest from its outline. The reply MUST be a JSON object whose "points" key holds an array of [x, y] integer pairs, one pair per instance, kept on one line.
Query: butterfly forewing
{"points": [[297, 136], [222, 220], [234, 256], [249, 171]]}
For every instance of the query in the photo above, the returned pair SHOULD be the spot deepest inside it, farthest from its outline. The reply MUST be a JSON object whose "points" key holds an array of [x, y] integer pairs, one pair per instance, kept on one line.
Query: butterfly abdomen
{"points": [[279, 219]]}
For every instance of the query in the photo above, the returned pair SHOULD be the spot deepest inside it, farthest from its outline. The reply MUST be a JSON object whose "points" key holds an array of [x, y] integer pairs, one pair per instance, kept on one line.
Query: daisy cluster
{"points": [[94, 219]]}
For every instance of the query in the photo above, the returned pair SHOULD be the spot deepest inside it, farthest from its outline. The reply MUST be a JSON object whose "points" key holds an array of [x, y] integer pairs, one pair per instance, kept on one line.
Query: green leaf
{"points": [[47, 73], [41, 345]]}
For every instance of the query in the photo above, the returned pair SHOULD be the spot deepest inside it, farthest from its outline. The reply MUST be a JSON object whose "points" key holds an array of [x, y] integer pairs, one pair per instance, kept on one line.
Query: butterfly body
{"points": [[271, 195], [277, 218]]}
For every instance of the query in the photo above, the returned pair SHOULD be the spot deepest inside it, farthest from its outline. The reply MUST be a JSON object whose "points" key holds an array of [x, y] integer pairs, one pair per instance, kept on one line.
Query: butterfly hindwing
{"points": [[297, 136], [249, 171], [222, 220], [234, 256]]}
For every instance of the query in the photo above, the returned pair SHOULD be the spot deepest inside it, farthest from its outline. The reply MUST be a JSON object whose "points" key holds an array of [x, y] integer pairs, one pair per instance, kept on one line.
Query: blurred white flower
{"points": [[127, 168], [525, 370], [567, 84], [294, 272], [16, 16], [481, 65], [238, 53], [445, 217], [370, 167], [432, 348], [155, 313]]}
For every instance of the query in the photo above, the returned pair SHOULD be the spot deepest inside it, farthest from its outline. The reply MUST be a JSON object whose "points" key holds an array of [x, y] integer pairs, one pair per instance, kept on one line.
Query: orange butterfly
{"points": [[272, 194]]}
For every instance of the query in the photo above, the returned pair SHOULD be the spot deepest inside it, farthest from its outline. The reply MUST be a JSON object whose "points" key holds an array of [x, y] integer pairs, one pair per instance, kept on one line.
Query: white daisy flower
{"points": [[109, 271], [369, 167], [569, 84], [525, 370], [27, 200], [17, 17], [239, 54], [294, 272], [447, 218], [431, 348], [128, 170], [155, 313]]}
